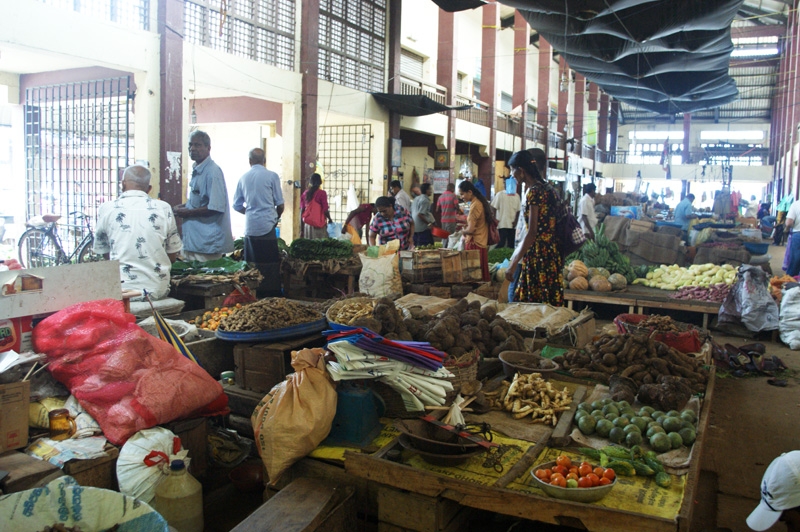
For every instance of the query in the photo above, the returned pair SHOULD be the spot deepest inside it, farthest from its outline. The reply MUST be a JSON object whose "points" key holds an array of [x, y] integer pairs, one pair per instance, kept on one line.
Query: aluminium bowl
{"points": [[585, 495]]}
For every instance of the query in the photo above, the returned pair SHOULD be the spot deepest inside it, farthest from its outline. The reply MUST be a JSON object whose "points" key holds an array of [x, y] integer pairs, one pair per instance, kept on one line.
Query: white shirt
{"points": [[138, 231], [507, 205], [794, 214], [586, 207], [403, 199]]}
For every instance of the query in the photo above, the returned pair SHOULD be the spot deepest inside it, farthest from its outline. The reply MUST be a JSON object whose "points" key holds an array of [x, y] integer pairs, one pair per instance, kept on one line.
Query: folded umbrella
{"points": [[168, 334]]}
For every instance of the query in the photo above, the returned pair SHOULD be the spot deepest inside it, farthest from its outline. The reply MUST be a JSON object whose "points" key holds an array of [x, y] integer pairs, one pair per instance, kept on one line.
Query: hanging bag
{"points": [[494, 233], [313, 215], [568, 229]]}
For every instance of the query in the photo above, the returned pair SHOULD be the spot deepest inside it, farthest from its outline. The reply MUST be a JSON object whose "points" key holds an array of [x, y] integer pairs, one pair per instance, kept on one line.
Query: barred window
{"points": [[352, 41], [261, 30], [129, 13]]}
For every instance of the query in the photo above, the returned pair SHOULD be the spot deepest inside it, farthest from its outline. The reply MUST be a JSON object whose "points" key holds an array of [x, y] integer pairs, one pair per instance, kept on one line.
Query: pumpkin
{"points": [[579, 283], [577, 268], [592, 273], [618, 281], [602, 272], [599, 284]]}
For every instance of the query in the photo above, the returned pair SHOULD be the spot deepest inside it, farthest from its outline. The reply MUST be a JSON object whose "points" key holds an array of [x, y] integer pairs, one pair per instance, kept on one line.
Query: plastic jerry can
{"points": [[179, 499]]}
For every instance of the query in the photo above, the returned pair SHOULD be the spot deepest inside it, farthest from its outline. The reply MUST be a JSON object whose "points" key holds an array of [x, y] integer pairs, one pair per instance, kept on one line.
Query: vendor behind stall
{"points": [[684, 213], [391, 222], [140, 232]]}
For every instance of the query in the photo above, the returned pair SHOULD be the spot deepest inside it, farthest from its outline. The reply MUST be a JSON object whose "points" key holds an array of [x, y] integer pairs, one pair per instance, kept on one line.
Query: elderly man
{"points": [[258, 196], [206, 213], [422, 216], [140, 232]]}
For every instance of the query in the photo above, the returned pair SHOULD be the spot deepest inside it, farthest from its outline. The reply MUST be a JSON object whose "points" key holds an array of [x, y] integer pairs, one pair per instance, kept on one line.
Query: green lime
{"points": [[657, 414], [623, 404], [616, 435], [580, 413], [585, 406], [621, 422], [597, 405], [597, 413], [587, 425], [688, 436], [610, 409], [689, 415], [660, 442], [628, 412], [654, 430], [572, 483], [674, 413], [607, 401], [611, 416], [634, 437], [675, 440], [631, 428], [646, 411], [639, 422], [603, 428], [671, 423]]}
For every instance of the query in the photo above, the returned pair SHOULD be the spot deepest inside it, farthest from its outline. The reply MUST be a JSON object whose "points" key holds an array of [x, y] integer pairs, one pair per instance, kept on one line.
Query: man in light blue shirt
{"points": [[683, 213], [206, 213], [258, 196]]}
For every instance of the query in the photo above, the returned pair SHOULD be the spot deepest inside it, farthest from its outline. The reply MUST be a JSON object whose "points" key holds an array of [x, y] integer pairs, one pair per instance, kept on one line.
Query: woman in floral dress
{"points": [[540, 280]]}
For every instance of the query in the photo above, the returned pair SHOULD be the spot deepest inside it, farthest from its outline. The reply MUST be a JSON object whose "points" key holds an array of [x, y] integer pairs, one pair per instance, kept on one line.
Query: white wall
{"points": [[504, 77], [469, 39], [420, 33]]}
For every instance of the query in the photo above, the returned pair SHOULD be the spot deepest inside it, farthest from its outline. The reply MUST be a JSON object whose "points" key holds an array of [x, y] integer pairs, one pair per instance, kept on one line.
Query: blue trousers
{"points": [[513, 285], [794, 256]]}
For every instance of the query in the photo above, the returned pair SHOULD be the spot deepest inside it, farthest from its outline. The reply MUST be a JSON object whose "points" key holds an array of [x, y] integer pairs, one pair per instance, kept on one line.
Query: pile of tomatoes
{"points": [[569, 474]]}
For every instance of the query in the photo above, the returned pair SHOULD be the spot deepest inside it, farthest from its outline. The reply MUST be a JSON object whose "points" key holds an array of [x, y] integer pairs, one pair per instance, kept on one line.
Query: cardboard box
{"points": [[15, 334], [15, 400]]}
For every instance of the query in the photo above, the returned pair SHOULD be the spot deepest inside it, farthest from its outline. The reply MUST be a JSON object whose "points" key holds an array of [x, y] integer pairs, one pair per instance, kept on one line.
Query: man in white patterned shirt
{"points": [[140, 232]]}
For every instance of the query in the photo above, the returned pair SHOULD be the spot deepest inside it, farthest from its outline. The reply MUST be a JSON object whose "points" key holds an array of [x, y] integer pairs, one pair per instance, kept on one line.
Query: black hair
{"points": [[384, 201], [424, 188], [527, 161], [395, 183], [466, 186], [315, 181]]}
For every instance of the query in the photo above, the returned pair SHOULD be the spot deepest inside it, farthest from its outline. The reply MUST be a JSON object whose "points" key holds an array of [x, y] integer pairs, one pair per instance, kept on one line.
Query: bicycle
{"points": [[40, 246]]}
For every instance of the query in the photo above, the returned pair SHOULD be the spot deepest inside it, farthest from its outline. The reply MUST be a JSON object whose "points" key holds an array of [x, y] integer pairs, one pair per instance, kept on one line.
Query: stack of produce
{"points": [[603, 253], [267, 314], [776, 286], [628, 463], [697, 275], [210, 319], [638, 365], [530, 395], [458, 330], [578, 276], [320, 249]]}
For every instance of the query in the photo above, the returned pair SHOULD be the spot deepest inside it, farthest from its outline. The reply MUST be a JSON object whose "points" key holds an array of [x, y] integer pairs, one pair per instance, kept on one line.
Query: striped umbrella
{"points": [[167, 333]]}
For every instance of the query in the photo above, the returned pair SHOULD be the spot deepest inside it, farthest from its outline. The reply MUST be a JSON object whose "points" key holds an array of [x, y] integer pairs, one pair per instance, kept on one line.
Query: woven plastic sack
{"points": [[126, 379], [296, 415], [144, 461]]}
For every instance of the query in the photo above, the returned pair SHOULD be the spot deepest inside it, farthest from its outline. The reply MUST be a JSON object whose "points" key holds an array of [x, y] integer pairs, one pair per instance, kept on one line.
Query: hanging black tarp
{"points": [[413, 104], [452, 6], [666, 56]]}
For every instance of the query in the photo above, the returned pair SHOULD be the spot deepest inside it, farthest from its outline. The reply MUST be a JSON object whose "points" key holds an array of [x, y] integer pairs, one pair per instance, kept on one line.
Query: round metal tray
{"points": [[274, 334]]}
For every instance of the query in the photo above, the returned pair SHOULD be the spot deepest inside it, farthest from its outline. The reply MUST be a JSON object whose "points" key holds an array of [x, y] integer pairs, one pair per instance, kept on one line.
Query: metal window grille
{"points": [[261, 30], [129, 13], [506, 103], [78, 139], [352, 42], [344, 153]]}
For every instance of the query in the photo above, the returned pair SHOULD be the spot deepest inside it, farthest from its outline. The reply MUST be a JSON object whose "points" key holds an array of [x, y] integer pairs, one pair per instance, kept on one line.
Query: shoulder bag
{"points": [[494, 233], [568, 229], [313, 215]]}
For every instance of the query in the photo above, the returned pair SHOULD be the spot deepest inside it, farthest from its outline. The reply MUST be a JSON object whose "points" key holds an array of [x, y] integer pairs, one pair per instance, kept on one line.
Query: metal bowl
{"points": [[446, 460], [571, 494], [430, 438], [524, 362]]}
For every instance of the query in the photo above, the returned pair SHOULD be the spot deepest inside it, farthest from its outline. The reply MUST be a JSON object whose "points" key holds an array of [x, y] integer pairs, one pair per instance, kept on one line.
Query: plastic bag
{"points": [[125, 378], [144, 460], [355, 238], [352, 198], [790, 317], [380, 276], [749, 301], [335, 230], [455, 241], [296, 415]]}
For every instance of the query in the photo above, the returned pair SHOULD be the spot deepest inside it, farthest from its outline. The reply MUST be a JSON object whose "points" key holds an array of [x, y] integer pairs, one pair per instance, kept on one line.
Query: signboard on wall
{"points": [[440, 180]]}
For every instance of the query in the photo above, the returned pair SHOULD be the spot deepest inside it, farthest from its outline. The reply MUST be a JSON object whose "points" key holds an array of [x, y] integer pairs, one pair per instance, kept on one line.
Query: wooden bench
{"points": [[305, 505]]}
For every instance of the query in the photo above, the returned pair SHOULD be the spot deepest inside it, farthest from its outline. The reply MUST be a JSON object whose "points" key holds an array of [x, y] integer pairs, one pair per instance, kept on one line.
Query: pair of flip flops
{"points": [[752, 358]]}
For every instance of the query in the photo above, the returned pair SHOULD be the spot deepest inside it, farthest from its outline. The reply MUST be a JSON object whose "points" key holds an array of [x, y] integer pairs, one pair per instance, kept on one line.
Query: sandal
{"points": [[777, 382]]}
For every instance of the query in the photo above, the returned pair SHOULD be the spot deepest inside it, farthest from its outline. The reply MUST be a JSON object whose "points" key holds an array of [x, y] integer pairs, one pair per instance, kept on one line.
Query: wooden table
{"points": [[206, 295], [497, 498], [637, 298]]}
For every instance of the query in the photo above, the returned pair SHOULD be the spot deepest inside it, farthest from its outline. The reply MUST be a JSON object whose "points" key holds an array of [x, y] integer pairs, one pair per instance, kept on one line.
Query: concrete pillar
{"points": [[446, 76], [491, 27], [602, 125], [543, 93], [687, 126], [309, 52], [395, 12], [172, 134], [519, 98], [578, 104], [614, 121], [563, 98]]}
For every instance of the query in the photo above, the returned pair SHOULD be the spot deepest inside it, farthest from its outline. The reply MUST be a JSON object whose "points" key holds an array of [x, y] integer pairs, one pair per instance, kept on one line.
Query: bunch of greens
{"points": [[320, 249], [213, 267], [499, 254]]}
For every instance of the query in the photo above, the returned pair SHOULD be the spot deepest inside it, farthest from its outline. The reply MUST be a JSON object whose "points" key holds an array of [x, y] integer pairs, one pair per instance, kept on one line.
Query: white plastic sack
{"points": [[85, 424], [145, 459], [790, 318], [64, 501], [749, 301], [352, 198], [454, 241], [380, 276]]}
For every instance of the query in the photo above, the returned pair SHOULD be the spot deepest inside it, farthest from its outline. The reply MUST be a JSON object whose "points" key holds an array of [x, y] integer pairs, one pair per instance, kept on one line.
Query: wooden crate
{"points": [[421, 266], [213, 355], [440, 291], [461, 266], [97, 472], [430, 514], [194, 438], [259, 367]]}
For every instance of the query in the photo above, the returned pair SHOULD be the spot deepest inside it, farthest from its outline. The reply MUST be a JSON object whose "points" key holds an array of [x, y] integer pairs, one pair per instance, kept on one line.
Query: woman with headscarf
{"points": [[391, 222], [314, 209], [540, 279], [477, 229]]}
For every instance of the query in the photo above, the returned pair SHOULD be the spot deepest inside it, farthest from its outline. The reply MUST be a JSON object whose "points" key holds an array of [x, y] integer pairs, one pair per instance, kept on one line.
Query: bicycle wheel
{"points": [[38, 249], [87, 254]]}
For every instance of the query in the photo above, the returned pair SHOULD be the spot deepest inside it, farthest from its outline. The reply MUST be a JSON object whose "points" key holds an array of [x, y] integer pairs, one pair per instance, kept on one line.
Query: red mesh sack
{"points": [[240, 295], [125, 378], [686, 341]]}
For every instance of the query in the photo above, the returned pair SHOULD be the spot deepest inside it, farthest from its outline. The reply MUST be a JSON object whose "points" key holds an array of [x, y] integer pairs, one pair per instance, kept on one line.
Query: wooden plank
{"points": [[504, 501], [560, 436], [607, 298], [431, 514], [25, 472], [302, 506], [96, 472], [677, 304]]}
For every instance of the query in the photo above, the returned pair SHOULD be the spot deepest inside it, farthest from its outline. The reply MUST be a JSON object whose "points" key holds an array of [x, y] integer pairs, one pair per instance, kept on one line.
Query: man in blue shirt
{"points": [[206, 213], [683, 213], [258, 196]]}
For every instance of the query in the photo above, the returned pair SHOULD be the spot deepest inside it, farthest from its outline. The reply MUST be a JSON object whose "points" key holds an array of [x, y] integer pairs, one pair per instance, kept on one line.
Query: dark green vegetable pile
{"points": [[499, 254], [321, 249]]}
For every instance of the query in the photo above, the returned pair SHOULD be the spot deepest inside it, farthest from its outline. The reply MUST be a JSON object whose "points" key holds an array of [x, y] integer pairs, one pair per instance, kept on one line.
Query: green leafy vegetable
{"points": [[320, 249]]}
